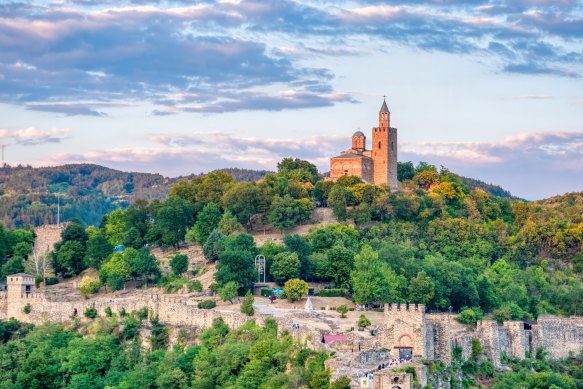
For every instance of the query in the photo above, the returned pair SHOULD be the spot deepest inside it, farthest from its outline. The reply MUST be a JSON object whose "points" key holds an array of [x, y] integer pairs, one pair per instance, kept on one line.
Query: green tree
{"points": [[337, 200], [242, 200], [283, 213], [115, 227], [342, 309], [422, 289], [372, 280], [179, 264], [173, 218], [214, 246], [98, 250], [12, 266], [229, 224], [405, 171], [229, 291], [285, 266], [340, 262], [144, 265], [295, 289], [238, 266], [70, 258], [208, 220], [247, 304]]}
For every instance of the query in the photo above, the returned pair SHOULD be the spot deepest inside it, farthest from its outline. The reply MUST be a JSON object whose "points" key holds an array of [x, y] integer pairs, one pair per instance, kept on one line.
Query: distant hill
{"points": [[86, 191], [493, 190], [245, 175]]}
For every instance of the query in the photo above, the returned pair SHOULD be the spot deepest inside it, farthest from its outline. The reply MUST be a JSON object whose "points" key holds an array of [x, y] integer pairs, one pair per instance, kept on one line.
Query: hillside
{"points": [[493, 190], [29, 195]]}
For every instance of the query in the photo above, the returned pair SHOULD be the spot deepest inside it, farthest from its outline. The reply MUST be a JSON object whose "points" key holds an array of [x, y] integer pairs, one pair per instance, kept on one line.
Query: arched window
{"points": [[379, 144], [392, 145], [346, 172]]}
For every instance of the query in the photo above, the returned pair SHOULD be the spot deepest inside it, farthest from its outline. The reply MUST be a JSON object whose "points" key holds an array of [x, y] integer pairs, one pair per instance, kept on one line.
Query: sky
{"points": [[490, 89]]}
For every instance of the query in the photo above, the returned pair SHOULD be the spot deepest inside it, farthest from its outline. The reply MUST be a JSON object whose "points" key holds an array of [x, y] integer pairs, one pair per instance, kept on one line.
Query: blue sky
{"points": [[490, 89]]}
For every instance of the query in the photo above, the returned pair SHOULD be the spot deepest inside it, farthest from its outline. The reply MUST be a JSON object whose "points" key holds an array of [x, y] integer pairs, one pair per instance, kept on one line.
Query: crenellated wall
{"points": [[404, 329]]}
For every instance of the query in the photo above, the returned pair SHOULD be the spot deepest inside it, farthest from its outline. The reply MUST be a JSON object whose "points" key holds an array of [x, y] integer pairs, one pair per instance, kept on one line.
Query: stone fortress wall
{"points": [[172, 311], [46, 237], [434, 337], [431, 336]]}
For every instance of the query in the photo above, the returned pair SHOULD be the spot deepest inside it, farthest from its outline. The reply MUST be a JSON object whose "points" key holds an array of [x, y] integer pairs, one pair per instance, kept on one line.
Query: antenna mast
{"points": [[3, 163], [58, 210]]}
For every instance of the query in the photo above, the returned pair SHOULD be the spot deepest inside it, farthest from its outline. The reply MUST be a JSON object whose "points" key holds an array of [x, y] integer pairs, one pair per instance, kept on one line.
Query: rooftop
{"points": [[384, 107], [351, 155]]}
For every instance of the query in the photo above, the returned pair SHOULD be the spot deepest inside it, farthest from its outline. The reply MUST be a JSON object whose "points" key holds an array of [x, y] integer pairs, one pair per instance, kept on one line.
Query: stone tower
{"points": [[384, 150], [358, 141], [20, 285]]}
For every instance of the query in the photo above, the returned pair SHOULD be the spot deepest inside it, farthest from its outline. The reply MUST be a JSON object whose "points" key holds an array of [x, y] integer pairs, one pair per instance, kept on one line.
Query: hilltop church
{"points": [[375, 166]]}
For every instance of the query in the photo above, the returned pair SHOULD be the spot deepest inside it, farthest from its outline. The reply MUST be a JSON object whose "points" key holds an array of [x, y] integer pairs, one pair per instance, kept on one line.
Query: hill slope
{"points": [[29, 195]]}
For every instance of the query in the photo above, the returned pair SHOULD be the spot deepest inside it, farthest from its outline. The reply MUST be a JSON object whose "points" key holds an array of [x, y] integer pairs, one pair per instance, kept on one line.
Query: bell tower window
{"points": [[379, 144]]}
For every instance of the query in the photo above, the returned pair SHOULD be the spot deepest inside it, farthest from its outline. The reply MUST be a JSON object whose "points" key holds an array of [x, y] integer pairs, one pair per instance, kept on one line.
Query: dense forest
{"points": [[86, 192], [110, 356], [436, 241]]}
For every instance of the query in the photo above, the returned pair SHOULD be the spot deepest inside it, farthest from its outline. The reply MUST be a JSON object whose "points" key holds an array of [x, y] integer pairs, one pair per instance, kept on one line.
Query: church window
{"points": [[346, 172], [379, 144], [392, 145]]}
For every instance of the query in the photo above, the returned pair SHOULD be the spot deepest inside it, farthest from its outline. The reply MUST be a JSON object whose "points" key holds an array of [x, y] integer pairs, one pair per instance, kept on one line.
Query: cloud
{"points": [[179, 154], [530, 165], [33, 136], [150, 51], [251, 100]]}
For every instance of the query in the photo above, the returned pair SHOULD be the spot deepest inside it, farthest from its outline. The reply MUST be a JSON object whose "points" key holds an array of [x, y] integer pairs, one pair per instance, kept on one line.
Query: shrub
{"points": [[207, 304], [266, 292], [332, 293], [363, 321], [342, 310], [88, 286], [52, 281], [26, 309], [194, 285], [487, 369], [247, 304], [90, 313], [130, 327], [476, 348], [341, 383], [467, 316], [108, 312], [142, 313], [37, 280], [123, 312]]}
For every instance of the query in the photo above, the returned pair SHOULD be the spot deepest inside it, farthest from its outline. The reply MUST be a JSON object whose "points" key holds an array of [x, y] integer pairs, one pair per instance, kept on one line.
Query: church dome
{"points": [[358, 133]]}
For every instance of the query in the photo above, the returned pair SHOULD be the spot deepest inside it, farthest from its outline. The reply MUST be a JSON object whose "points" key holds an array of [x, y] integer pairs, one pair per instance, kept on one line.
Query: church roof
{"points": [[351, 155], [384, 107], [358, 133]]}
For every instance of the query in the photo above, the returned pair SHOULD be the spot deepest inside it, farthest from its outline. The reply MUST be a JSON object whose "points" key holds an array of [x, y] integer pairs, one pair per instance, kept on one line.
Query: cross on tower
{"points": [[384, 97]]}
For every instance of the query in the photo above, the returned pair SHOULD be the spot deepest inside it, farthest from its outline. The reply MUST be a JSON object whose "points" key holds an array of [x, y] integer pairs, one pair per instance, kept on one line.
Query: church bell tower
{"points": [[384, 150]]}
